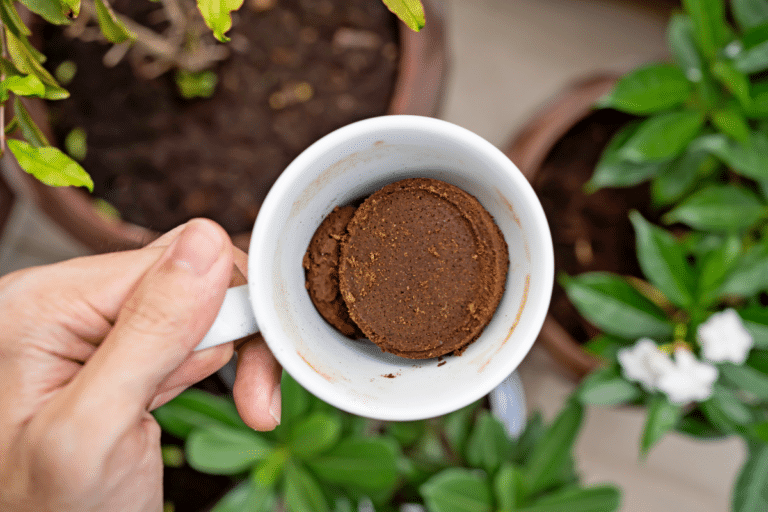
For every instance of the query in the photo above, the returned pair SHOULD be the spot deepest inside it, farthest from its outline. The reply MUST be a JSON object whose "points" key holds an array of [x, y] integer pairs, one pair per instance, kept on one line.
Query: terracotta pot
{"points": [[418, 91], [529, 149]]}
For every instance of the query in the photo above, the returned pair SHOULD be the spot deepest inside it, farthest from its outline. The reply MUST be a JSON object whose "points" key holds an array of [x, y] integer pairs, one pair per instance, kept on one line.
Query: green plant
{"points": [[690, 342], [322, 459], [189, 45]]}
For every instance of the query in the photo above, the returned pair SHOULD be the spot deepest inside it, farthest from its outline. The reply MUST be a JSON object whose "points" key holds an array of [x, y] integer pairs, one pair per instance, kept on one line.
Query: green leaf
{"points": [[196, 85], [411, 12], [760, 431], [748, 276], [295, 401], [221, 450], [663, 136], [27, 63], [71, 8], [509, 487], [76, 143], [303, 492], [726, 411], [592, 499], [733, 79], [49, 165], [747, 379], [195, 408], [314, 434], [457, 426], [719, 208], [29, 129], [51, 10], [554, 449], [749, 13], [488, 445], [680, 175], [710, 29], [758, 359], [216, 14], [605, 346], [607, 388], [755, 320], [111, 25], [758, 108], [730, 121], [750, 493], [268, 471], [715, 267], [533, 432], [28, 85], [752, 60], [662, 417], [648, 89], [613, 171], [750, 160], [663, 261], [683, 45], [247, 496], [610, 303], [457, 490], [406, 432], [367, 464], [11, 19], [12, 126], [697, 428]]}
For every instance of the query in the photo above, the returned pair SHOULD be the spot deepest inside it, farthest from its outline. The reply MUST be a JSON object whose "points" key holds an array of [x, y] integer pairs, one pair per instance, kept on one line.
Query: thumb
{"points": [[172, 307]]}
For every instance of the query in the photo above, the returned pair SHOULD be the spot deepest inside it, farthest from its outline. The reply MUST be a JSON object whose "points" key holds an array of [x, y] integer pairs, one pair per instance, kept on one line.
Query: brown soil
{"points": [[590, 232], [162, 160]]}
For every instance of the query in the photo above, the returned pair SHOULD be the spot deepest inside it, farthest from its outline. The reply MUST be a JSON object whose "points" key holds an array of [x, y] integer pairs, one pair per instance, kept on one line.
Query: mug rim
{"points": [[283, 186]]}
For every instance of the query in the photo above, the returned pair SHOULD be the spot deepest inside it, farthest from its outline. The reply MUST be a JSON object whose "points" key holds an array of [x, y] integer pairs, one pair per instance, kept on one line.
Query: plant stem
{"points": [[2, 78]]}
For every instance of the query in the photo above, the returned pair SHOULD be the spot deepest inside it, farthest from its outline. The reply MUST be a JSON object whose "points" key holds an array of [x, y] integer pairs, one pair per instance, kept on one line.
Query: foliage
{"points": [[322, 459], [184, 47], [689, 342]]}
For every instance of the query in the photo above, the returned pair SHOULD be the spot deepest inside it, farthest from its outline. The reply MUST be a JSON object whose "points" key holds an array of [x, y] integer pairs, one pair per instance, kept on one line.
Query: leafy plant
{"points": [[690, 341], [322, 459], [189, 45]]}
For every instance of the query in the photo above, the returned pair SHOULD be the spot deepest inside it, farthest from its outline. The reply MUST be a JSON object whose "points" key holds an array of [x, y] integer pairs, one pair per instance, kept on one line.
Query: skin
{"points": [[89, 346]]}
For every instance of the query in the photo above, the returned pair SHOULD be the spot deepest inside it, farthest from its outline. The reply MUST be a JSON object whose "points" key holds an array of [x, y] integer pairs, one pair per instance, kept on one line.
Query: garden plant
{"points": [[690, 341]]}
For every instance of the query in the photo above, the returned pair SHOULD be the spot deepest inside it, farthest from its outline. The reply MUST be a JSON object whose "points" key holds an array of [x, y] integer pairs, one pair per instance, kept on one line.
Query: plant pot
{"points": [[418, 87], [557, 151]]}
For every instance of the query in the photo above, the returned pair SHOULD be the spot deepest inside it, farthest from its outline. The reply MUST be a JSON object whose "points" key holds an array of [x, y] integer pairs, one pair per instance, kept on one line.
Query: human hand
{"points": [[89, 346]]}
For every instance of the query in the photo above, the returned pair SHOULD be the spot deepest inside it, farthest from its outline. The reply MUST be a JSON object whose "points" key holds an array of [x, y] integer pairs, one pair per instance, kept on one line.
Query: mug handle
{"points": [[234, 321]]}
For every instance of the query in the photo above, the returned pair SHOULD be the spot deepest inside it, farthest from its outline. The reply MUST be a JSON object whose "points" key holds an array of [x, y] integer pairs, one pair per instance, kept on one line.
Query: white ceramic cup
{"points": [[356, 376]]}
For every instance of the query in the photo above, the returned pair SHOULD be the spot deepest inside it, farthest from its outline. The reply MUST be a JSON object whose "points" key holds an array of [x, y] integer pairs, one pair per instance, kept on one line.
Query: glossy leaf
{"points": [[726, 411], [592, 499], [10, 18], [488, 445], [716, 266], [406, 432], [49, 165], [368, 464], [752, 60], [733, 79], [698, 428], [730, 121], [553, 450], [410, 12], [221, 450], [196, 408], [295, 401], [749, 160], [457, 490], [303, 492], [25, 60], [71, 8], [681, 41], [28, 85], [614, 171], [247, 496], [758, 108], [719, 208], [607, 388], [750, 493], [755, 320], [605, 346], [314, 434], [509, 487], [648, 89], [663, 261], [457, 426], [680, 175], [52, 11], [614, 306], [31, 132], [663, 136], [217, 15], [533, 432], [745, 378], [111, 25], [710, 30], [662, 417], [268, 471], [748, 276], [749, 13]]}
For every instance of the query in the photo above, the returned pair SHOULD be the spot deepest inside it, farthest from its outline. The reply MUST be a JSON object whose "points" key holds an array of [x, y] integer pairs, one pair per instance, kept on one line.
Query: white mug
{"points": [[356, 376]]}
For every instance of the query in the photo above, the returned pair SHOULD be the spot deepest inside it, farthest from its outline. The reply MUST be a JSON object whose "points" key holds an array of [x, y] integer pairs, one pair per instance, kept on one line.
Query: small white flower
{"points": [[644, 363], [690, 379], [723, 337]]}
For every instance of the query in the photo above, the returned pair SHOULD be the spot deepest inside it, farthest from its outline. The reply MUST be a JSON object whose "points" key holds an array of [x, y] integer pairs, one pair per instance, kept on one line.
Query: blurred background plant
{"points": [[322, 459], [188, 45], [690, 342]]}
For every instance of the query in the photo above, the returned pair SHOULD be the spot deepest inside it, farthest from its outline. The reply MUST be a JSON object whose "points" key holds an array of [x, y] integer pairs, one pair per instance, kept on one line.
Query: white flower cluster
{"points": [[684, 379]]}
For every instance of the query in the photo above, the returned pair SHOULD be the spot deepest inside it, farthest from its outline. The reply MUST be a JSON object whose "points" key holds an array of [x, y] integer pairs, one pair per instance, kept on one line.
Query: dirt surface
{"points": [[298, 70], [590, 232]]}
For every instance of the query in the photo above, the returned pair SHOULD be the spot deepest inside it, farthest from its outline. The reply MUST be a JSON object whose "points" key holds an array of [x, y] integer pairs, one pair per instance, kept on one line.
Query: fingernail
{"points": [[275, 407], [198, 247]]}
